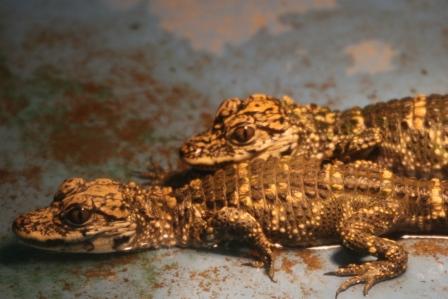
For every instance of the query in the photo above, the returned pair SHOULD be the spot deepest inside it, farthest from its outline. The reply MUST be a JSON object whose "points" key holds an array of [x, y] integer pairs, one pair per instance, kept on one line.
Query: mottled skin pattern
{"points": [[292, 201], [409, 136]]}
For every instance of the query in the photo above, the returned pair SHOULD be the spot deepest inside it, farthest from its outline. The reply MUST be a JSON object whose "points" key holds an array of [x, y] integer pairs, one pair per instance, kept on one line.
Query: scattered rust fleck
{"points": [[193, 275], [208, 278], [41, 296], [66, 286], [158, 285], [324, 86], [430, 248], [287, 265], [105, 270], [170, 267], [307, 292], [101, 272], [310, 259], [7, 176], [45, 36]]}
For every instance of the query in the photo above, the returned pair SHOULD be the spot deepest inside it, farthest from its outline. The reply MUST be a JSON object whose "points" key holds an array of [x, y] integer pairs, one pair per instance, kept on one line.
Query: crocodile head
{"points": [[243, 128], [97, 216]]}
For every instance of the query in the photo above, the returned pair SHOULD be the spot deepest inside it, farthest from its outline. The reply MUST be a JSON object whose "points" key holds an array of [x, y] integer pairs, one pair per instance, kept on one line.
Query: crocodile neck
{"points": [[315, 129], [165, 217]]}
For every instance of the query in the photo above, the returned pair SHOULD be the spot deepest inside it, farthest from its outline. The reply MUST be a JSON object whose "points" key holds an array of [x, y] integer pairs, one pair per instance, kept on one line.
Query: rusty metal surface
{"points": [[94, 88]]}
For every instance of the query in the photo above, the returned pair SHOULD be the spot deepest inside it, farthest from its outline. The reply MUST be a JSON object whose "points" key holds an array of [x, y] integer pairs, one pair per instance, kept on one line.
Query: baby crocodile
{"points": [[290, 201], [409, 136]]}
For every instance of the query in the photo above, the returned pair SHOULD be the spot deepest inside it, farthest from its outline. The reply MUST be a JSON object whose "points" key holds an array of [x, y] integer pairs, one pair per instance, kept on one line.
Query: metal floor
{"points": [[94, 88]]}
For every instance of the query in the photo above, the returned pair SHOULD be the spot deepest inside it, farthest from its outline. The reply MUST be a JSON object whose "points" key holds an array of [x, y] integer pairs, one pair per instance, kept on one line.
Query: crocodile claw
{"points": [[368, 273], [260, 264]]}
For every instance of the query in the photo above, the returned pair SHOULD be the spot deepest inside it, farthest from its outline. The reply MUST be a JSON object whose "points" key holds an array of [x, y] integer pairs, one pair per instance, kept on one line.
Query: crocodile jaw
{"points": [[41, 230]]}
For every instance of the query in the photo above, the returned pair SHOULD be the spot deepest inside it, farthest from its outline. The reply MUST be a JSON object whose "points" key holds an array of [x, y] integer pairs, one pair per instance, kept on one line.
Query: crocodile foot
{"points": [[155, 173], [368, 273]]}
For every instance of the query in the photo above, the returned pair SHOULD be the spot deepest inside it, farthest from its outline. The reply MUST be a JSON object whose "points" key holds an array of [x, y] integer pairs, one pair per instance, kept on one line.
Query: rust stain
{"points": [[208, 278], [7, 176], [324, 86], [105, 270], [82, 109], [91, 122], [370, 57], [101, 272], [41, 296], [170, 267], [311, 260], [430, 248], [11, 103], [210, 26], [158, 285], [50, 37], [134, 130], [307, 292], [124, 260], [141, 78], [11, 106], [66, 286], [31, 173], [287, 265], [82, 146], [92, 131]]}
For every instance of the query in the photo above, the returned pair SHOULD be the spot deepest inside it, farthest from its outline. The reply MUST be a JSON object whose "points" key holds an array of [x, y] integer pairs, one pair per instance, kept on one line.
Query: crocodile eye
{"points": [[77, 215], [243, 134]]}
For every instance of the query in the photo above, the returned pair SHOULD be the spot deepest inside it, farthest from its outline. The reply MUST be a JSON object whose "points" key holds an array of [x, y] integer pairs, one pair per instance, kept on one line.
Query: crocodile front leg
{"points": [[356, 146], [155, 174], [234, 224], [361, 231]]}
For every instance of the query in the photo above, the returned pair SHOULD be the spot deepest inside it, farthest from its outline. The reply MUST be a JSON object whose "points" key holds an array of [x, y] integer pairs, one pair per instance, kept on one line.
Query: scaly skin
{"points": [[409, 136], [292, 201]]}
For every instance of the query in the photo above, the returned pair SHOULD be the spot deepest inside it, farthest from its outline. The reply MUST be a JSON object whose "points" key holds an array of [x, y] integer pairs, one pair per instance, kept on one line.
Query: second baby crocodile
{"points": [[290, 201], [409, 136]]}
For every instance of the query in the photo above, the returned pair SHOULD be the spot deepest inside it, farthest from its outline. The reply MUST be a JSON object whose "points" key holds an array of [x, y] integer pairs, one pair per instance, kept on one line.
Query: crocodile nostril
{"points": [[182, 152]]}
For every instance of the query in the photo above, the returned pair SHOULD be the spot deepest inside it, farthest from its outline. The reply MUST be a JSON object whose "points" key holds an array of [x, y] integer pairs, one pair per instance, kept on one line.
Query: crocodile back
{"points": [[296, 200], [282, 194], [414, 134], [299, 201]]}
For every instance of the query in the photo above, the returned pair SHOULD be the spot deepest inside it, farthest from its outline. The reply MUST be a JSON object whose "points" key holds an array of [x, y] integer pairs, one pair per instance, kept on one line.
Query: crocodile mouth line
{"points": [[218, 163], [61, 245], [44, 244]]}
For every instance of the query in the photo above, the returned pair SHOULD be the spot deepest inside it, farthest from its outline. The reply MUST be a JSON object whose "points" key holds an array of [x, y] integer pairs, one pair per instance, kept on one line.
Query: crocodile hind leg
{"points": [[361, 231], [234, 224]]}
